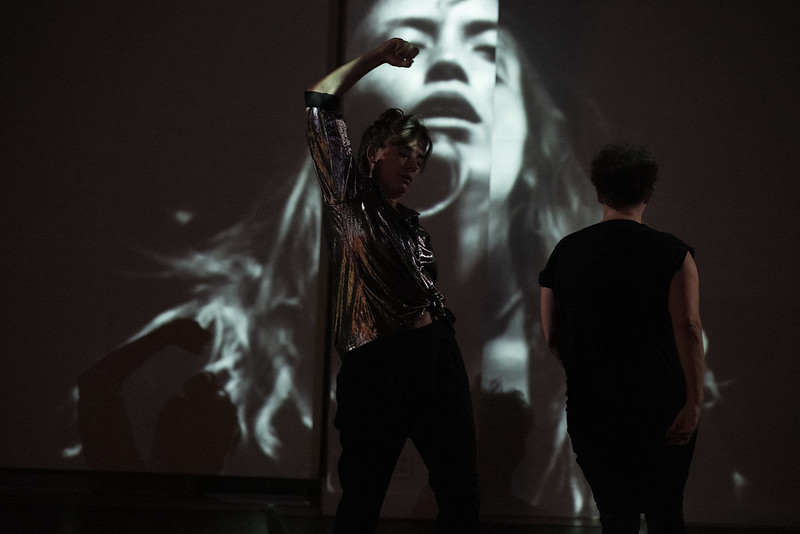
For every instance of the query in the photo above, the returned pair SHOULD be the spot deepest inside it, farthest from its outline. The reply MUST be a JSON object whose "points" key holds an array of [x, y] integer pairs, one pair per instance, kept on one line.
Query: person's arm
{"points": [[396, 52], [328, 137], [684, 310], [550, 322]]}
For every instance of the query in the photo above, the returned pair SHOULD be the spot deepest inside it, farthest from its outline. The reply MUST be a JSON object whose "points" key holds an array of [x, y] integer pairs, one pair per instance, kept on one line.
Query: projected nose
{"points": [[443, 71]]}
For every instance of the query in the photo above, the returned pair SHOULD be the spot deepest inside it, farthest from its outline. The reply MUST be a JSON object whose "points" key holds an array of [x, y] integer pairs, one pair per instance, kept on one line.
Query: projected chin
{"points": [[440, 184]]}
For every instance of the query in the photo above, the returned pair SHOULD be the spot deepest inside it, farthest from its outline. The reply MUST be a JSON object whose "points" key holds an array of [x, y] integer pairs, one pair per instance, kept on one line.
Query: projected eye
{"points": [[487, 52], [414, 36], [502, 71]]}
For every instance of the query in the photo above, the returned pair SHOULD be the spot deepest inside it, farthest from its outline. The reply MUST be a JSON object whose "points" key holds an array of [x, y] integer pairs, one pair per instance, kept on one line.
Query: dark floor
{"points": [[82, 519], [324, 525]]}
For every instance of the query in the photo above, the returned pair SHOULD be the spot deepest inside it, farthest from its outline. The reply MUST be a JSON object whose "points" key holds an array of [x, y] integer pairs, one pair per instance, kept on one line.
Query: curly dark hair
{"points": [[393, 127], [623, 175]]}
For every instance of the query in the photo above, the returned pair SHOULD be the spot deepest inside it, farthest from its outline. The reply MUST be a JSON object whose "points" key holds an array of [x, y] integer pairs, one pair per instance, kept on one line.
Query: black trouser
{"points": [[409, 385], [631, 472]]}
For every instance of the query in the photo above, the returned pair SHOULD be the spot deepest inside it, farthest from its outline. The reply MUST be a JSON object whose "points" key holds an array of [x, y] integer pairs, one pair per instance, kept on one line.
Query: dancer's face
{"points": [[451, 84], [396, 166]]}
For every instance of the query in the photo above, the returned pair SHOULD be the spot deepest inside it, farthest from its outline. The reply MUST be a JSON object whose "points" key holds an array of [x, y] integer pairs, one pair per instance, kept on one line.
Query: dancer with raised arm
{"points": [[402, 374]]}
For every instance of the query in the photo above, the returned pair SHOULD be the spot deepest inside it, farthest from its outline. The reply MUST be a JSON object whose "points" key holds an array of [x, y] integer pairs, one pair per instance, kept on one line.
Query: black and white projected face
{"points": [[158, 169], [451, 84], [501, 188]]}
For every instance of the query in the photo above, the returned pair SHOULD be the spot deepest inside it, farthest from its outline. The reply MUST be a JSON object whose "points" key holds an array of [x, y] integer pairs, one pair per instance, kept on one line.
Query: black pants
{"points": [[410, 385], [632, 472]]}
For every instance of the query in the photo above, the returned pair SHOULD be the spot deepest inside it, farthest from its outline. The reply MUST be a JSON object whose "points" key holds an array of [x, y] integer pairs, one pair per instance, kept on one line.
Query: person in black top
{"points": [[620, 309]]}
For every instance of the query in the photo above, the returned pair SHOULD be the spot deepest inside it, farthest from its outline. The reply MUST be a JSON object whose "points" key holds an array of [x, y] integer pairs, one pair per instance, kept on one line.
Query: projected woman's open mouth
{"points": [[451, 114], [447, 106], [452, 120]]}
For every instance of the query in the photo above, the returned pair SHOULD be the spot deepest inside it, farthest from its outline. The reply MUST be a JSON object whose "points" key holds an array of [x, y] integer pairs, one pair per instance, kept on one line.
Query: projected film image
{"points": [[160, 307], [504, 184], [502, 187], [251, 316], [165, 295]]}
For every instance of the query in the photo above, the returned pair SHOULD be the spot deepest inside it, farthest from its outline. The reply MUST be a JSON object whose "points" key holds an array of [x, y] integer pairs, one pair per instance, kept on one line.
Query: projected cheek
{"points": [[392, 87], [508, 139], [482, 78]]}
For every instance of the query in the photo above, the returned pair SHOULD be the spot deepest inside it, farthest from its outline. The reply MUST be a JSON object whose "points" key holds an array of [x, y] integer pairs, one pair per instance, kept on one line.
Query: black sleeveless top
{"points": [[610, 283]]}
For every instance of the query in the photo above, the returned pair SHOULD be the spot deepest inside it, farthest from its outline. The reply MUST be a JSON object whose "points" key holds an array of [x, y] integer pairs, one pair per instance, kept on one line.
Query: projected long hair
{"points": [[255, 288], [255, 285]]}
